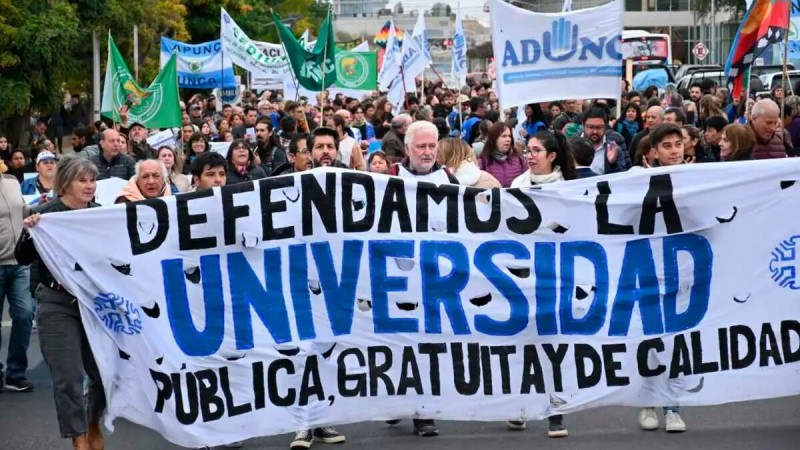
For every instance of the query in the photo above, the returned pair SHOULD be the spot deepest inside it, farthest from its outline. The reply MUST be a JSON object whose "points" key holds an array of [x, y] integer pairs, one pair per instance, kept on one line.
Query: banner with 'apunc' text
{"points": [[200, 66], [552, 56], [335, 296]]}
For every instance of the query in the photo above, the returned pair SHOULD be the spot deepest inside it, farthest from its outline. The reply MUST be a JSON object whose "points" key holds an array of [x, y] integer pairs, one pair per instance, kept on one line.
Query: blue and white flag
{"points": [[421, 36], [200, 66], [552, 56], [391, 60], [459, 48]]}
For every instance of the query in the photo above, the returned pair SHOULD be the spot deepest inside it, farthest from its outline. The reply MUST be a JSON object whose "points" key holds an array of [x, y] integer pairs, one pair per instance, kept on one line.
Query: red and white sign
{"points": [[700, 51]]}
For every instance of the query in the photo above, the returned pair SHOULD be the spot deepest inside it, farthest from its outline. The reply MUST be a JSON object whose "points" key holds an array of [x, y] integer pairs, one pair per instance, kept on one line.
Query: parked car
{"points": [[772, 79], [688, 69]]}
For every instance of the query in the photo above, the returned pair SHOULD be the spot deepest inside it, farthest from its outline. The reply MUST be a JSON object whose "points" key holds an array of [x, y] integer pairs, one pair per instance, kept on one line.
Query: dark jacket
{"points": [[635, 143], [272, 158], [392, 145], [778, 146], [586, 172], [284, 169], [120, 166], [25, 251], [253, 173], [623, 161], [142, 150], [709, 153]]}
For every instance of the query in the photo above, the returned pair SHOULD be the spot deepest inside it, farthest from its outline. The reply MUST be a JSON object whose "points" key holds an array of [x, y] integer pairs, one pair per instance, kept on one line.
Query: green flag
{"points": [[157, 106], [357, 70], [314, 69]]}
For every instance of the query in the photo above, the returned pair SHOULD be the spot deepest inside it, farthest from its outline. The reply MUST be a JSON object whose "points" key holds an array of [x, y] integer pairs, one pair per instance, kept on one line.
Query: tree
{"points": [[36, 39], [252, 16], [169, 19], [736, 7]]}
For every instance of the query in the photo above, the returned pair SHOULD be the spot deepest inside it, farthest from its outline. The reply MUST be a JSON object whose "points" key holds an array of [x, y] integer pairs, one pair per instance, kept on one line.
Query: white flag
{"points": [[391, 60], [567, 6], [459, 48], [412, 62], [240, 49], [420, 35], [553, 56]]}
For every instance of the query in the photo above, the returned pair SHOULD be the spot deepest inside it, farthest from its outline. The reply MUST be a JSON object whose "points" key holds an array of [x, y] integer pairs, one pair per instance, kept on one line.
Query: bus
{"points": [[647, 51], [646, 48]]}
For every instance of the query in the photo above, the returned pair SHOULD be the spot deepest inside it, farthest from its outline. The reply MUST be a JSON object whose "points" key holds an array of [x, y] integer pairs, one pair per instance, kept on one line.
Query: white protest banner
{"points": [[166, 137], [335, 296], [245, 52], [220, 147], [108, 190], [543, 57], [277, 63]]}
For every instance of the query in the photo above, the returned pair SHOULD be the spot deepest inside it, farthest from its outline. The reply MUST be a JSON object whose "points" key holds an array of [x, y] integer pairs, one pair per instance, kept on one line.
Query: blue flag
{"points": [[200, 66]]}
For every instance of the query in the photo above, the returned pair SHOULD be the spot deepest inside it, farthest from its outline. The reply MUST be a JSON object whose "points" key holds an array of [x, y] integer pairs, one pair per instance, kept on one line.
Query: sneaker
{"points": [[239, 444], [19, 385], [328, 435], [302, 439], [648, 419], [674, 422], [425, 428], [393, 421], [557, 430], [516, 425]]}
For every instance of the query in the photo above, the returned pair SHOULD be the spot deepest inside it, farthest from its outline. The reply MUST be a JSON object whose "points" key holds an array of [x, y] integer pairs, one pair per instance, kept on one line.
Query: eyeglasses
{"points": [[533, 151], [594, 127], [241, 148]]}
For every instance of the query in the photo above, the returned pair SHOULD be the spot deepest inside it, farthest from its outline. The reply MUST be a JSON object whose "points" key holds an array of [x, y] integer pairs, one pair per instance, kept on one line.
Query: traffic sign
{"points": [[700, 51]]}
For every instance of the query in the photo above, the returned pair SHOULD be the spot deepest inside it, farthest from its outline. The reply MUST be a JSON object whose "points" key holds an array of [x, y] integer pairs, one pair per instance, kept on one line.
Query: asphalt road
{"points": [[28, 422]]}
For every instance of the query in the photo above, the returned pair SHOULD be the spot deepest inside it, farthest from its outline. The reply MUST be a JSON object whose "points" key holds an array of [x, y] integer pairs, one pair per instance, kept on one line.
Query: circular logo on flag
{"points": [[145, 102], [352, 69], [784, 264], [196, 66], [118, 314]]}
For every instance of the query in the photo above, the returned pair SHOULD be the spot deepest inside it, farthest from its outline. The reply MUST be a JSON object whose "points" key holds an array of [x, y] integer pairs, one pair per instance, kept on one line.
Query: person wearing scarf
{"points": [[241, 163], [149, 181], [630, 124], [499, 157], [549, 159]]}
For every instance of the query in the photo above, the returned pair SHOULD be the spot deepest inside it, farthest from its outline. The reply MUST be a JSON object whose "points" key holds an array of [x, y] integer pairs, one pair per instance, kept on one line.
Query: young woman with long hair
{"points": [[500, 157], [549, 159]]}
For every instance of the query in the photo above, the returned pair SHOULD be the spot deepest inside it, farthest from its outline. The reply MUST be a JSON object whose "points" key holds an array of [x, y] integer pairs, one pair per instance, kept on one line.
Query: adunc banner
{"points": [[543, 57], [334, 296], [200, 66]]}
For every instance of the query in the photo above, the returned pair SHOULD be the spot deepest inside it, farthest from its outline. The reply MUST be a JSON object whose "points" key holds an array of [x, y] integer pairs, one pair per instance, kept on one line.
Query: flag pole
{"points": [[403, 80], [291, 69], [784, 74], [325, 48]]}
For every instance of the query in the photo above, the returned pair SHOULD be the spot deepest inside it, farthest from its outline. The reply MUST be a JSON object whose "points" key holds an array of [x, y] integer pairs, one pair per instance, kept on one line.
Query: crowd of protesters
{"points": [[447, 136]]}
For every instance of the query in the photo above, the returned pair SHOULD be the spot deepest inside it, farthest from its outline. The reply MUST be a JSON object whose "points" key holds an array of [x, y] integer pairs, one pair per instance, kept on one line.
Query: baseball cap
{"points": [[45, 156], [462, 99]]}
